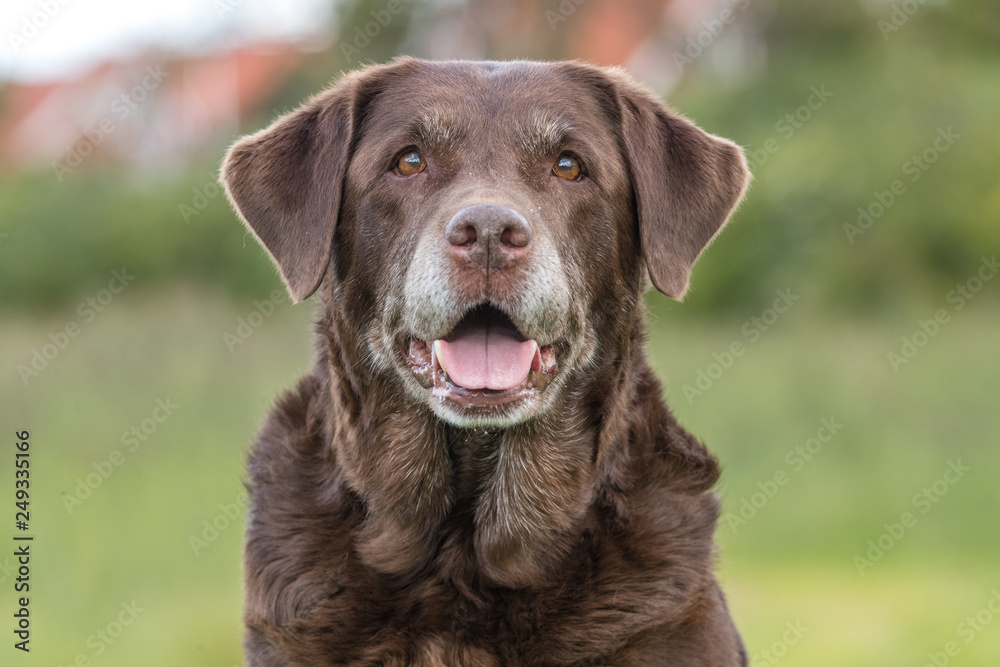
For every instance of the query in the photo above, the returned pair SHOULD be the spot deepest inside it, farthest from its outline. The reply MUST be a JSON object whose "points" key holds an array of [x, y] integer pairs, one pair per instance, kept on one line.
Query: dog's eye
{"points": [[567, 167], [410, 163]]}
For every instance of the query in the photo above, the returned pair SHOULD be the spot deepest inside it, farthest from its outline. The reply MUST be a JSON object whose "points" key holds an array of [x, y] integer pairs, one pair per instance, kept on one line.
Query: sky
{"points": [[47, 39]]}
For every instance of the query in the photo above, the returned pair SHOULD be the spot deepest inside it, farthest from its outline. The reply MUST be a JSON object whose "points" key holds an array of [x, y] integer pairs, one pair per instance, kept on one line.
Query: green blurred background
{"points": [[857, 426]]}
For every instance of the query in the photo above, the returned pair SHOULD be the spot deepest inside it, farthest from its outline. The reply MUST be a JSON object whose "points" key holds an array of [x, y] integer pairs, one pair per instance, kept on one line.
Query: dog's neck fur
{"points": [[516, 499], [601, 499]]}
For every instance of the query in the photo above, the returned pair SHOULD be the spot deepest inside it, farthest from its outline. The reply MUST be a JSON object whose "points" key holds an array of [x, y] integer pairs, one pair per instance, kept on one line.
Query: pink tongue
{"points": [[487, 358]]}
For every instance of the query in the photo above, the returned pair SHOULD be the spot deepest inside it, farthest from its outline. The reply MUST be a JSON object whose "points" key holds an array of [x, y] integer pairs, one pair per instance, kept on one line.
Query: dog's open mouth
{"points": [[483, 362]]}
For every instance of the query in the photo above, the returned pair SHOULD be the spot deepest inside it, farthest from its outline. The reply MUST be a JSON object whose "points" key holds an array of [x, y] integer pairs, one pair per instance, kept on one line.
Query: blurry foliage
{"points": [[891, 93], [64, 240], [889, 97]]}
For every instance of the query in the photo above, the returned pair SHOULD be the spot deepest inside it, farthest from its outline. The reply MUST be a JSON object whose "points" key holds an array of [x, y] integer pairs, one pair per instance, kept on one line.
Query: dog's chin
{"points": [[483, 373]]}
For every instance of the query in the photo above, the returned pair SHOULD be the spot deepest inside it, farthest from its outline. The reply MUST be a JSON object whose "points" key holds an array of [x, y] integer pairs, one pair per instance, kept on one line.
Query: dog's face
{"points": [[484, 228]]}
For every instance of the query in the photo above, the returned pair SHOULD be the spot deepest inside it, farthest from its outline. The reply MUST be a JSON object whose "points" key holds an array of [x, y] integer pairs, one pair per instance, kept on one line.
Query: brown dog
{"points": [[480, 470]]}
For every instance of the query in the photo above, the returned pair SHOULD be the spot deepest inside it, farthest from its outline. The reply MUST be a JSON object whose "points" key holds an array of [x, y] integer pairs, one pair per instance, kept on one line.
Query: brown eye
{"points": [[410, 163], [567, 167]]}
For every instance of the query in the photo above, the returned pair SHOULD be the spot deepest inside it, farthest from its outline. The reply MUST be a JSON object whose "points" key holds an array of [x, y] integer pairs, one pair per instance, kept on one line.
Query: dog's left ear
{"points": [[686, 183], [286, 180]]}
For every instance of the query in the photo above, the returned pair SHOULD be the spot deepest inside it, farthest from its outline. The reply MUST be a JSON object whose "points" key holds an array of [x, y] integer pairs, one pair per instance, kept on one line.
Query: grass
{"points": [[792, 562]]}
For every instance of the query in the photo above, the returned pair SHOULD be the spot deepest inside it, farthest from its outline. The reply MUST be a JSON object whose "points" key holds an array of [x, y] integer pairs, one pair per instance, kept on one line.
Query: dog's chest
{"points": [[437, 627], [438, 621], [315, 588]]}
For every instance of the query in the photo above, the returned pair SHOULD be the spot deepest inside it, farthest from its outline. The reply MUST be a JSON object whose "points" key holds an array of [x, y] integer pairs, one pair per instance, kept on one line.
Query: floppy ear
{"points": [[285, 182], [686, 183]]}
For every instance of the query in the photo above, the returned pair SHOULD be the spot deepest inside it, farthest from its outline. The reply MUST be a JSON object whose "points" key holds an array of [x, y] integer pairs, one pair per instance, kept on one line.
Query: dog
{"points": [[480, 469]]}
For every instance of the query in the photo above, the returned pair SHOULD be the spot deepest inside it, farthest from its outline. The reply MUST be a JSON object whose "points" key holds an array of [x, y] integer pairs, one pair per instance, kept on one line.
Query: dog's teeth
{"points": [[436, 357]]}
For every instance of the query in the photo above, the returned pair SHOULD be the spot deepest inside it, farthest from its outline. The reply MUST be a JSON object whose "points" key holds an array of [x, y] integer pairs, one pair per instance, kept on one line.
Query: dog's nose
{"points": [[488, 235]]}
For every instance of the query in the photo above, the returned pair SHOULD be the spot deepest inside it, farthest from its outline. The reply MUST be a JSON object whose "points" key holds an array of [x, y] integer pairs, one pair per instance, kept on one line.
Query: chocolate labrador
{"points": [[480, 469]]}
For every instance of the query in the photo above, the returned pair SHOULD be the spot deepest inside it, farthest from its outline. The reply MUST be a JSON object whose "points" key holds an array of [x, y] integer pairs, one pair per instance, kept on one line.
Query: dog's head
{"points": [[484, 229]]}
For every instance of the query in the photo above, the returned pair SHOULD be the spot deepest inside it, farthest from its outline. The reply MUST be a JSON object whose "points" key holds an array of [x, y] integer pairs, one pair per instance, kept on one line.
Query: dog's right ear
{"points": [[286, 181]]}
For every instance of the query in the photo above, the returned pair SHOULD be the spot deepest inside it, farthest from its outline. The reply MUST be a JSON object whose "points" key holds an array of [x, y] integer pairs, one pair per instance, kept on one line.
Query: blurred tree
{"points": [[895, 75]]}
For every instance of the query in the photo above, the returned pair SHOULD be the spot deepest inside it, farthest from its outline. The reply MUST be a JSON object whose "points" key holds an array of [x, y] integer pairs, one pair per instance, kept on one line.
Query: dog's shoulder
{"points": [[662, 452], [300, 515]]}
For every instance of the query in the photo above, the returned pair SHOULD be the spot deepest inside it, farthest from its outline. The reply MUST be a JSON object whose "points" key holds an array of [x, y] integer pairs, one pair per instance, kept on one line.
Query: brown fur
{"points": [[578, 533]]}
